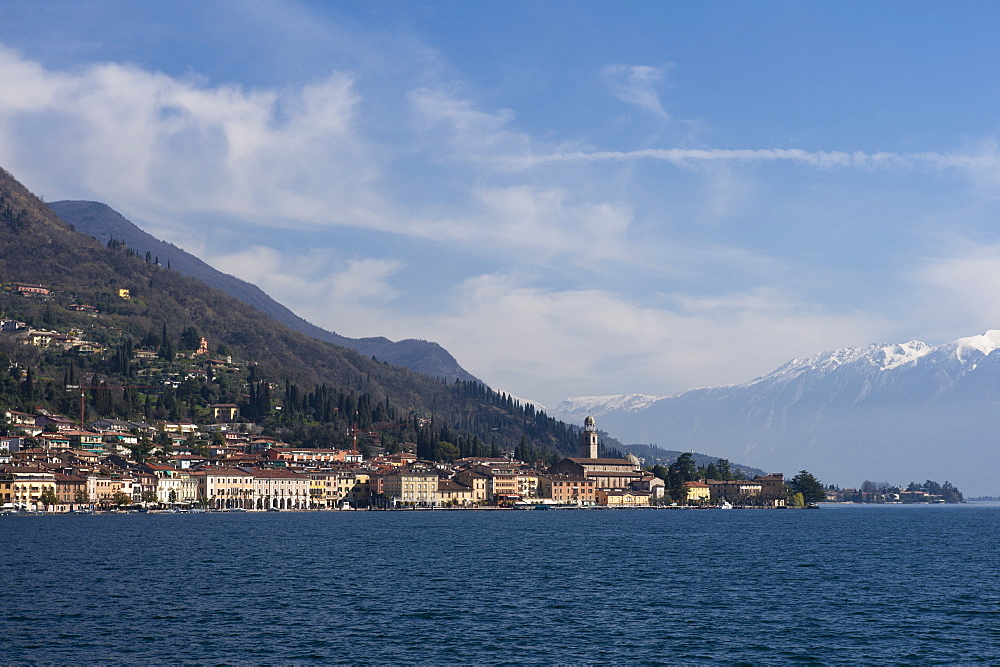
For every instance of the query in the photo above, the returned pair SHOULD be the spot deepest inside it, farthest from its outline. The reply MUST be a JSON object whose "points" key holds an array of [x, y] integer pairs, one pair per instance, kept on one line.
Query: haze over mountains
{"points": [[893, 413], [104, 223]]}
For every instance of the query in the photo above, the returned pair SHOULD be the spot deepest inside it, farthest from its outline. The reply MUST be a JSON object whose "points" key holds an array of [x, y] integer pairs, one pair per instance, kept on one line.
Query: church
{"points": [[608, 474]]}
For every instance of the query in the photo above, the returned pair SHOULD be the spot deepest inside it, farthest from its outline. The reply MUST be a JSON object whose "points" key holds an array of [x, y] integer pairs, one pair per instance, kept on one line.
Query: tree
{"points": [[445, 451], [121, 498], [141, 449], [685, 467], [190, 339], [166, 345], [49, 497], [811, 489]]}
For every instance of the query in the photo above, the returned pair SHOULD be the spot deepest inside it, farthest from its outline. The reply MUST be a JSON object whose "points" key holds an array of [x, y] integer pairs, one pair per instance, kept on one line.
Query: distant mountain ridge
{"points": [[886, 412], [103, 223]]}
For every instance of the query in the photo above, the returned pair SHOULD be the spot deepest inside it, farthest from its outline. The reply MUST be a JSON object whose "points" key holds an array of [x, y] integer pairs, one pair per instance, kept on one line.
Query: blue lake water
{"points": [[855, 584]]}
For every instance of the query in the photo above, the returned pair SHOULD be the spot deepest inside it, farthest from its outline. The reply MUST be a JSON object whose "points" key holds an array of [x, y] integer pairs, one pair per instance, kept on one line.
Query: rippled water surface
{"points": [[910, 584]]}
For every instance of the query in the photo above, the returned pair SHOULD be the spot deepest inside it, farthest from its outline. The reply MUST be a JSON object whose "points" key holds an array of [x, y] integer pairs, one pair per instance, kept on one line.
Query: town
{"points": [[167, 448], [148, 436], [73, 469]]}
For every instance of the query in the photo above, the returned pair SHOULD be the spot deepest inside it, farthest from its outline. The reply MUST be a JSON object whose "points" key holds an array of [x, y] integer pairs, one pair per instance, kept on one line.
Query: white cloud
{"points": [[637, 84], [960, 289], [148, 140], [578, 342], [466, 129], [349, 296]]}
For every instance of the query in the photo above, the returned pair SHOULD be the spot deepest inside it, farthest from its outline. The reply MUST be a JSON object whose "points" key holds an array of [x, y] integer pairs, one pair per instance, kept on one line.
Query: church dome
{"points": [[589, 421]]}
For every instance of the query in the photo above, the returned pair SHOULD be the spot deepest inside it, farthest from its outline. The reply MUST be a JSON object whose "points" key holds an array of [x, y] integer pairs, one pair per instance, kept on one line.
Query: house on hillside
{"points": [[27, 289], [224, 412]]}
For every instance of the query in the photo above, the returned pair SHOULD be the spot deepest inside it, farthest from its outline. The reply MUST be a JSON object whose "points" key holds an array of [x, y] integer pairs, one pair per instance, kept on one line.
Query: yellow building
{"points": [[455, 494], [22, 487], [322, 488], [407, 486], [622, 498], [478, 482], [696, 493]]}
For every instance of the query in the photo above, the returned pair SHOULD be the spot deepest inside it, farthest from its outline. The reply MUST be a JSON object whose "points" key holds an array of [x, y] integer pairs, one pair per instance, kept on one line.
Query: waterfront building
{"points": [[567, 489], [696, 492], [527, 484], [607, 473], [103, 484], [276, 488], [501, 483], [453, 493], [223, 487], [622, 498], [738, 490], [476, 481], [411, 486], [70, 489], [21, 487], [354, 487], [322, 487]]}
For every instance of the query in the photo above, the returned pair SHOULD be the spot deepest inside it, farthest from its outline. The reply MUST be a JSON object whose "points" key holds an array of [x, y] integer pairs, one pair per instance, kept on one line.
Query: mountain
{"points": [[104, 223], [110, 296], [888, 412]]}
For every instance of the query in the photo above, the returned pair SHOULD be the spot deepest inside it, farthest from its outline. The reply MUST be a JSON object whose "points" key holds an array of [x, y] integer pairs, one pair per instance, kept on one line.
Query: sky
{"points": [[574, 198]]}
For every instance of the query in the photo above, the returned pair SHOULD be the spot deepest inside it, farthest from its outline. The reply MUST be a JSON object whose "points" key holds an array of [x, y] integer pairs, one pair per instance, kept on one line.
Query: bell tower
{"points": [[589, 438]]}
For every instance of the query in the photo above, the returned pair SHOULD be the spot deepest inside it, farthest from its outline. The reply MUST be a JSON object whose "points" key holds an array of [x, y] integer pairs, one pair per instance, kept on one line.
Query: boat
{"points": [[725, 505]]}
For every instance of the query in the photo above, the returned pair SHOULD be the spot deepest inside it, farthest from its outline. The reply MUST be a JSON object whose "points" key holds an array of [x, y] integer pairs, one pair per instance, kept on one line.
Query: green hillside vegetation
{"points": [[300, 389], [100, 221]]}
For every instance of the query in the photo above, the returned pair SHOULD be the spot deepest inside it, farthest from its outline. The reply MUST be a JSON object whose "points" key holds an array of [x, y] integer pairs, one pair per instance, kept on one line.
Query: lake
{"points": [[842, 584]]}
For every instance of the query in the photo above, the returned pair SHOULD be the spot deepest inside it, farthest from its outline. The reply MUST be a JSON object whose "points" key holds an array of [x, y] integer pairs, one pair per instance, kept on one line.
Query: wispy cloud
{"points": [[959, 285], [637, 85], [684, 157]]}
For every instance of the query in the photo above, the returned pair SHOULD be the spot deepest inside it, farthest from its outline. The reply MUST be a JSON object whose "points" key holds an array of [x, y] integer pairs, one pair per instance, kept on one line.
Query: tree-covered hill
{"points": [[105, 224], [161, 307]]}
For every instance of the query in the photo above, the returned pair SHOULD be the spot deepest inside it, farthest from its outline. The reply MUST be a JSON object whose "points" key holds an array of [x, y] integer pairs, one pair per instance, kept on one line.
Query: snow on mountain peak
{"points": [[880, 356], [875, 358], [887, 357], [984, 343], [579, 406]]}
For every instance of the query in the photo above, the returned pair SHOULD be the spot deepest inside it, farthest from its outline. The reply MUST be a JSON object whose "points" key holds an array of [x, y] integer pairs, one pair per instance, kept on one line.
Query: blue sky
{"points": [[574, 198]]}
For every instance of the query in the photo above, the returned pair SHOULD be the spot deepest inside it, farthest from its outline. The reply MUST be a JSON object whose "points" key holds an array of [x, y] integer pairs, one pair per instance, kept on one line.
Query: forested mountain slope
{"points": [[37, 247], [104, 223]]}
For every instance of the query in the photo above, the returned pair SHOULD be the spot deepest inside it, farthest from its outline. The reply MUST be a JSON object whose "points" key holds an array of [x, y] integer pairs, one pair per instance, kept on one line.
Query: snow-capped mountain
{"points": [[899, 412]]}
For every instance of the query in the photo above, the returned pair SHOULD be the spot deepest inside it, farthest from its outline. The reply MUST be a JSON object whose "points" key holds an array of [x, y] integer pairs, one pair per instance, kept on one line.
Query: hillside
{"points": [[37, 247], [104, 223], [888, 412]]}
